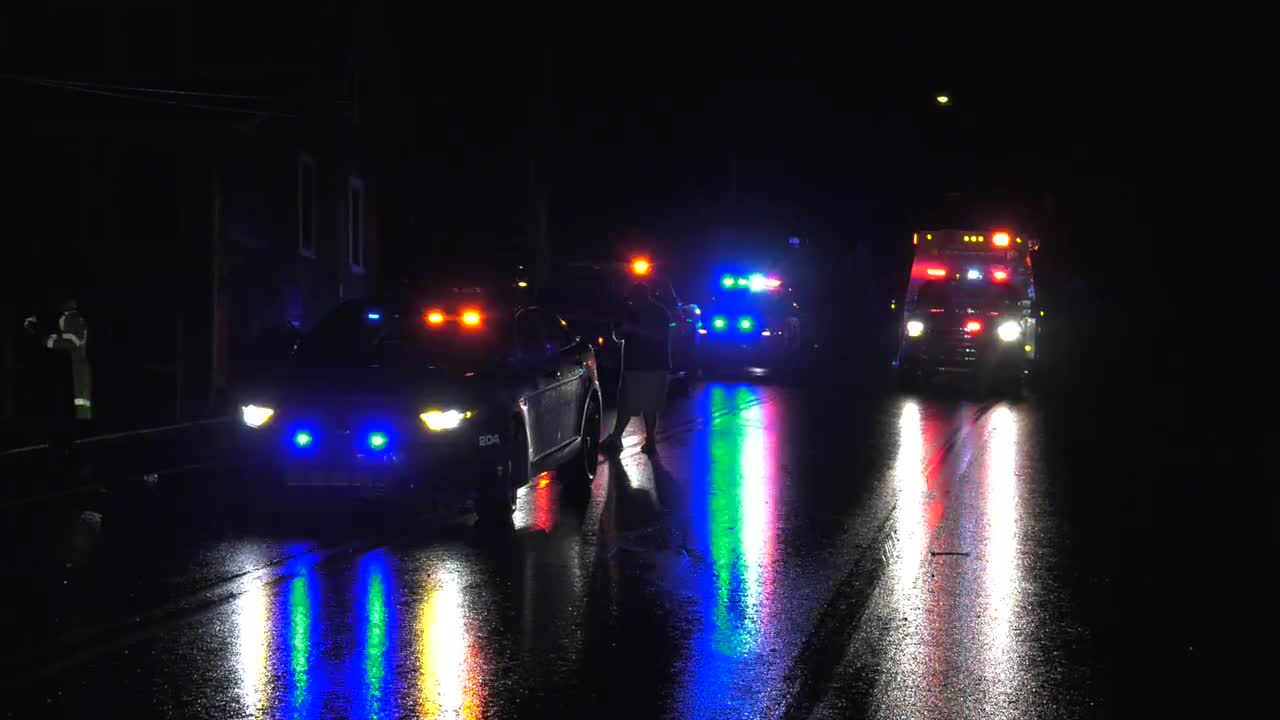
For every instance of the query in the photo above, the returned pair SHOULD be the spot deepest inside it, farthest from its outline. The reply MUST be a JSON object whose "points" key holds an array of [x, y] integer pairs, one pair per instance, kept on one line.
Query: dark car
{"points": [[961, 327], [453, 394]]}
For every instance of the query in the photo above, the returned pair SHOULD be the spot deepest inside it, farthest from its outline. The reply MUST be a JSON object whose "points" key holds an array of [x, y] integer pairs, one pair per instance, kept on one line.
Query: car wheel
{"points": [[908, 380], [582, 469], [1012, 389]]}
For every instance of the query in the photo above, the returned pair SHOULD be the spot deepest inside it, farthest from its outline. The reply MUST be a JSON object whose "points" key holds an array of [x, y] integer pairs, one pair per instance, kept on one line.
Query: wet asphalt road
{"points": [[783, 555]]}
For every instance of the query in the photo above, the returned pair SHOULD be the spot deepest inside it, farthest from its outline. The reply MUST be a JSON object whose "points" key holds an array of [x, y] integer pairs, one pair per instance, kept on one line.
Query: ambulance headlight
{"points": [[915, 328], [255, 415], [1009, 331]]}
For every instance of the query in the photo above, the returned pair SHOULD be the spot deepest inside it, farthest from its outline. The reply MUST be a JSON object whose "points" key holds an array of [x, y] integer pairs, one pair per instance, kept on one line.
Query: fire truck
{"points": [[970, 308]]}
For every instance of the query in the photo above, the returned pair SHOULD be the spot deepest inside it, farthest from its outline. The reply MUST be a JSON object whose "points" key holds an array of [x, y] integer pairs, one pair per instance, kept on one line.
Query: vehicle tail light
{"points": [[973, 326], [936, 310], [435, 317], [999, 275], [471, 318]]}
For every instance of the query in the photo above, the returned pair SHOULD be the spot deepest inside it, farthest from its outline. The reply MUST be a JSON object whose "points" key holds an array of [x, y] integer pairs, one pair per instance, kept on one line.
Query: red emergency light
{"points": [[1000, 275], [471, 318], [936, 272], [973, 326]]}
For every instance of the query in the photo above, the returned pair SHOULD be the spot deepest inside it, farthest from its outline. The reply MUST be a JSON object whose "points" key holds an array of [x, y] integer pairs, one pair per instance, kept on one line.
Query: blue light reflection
{"points": [[302, 634], [733, 485], [375, 618]]}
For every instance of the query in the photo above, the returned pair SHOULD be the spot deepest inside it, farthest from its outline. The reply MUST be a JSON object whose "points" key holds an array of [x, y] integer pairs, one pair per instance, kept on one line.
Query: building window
{"points": [[355, 222], [306, 206]]}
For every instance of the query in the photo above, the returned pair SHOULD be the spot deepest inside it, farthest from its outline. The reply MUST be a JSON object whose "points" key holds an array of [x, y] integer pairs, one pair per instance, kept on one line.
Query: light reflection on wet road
{"points": [[694, 584]]}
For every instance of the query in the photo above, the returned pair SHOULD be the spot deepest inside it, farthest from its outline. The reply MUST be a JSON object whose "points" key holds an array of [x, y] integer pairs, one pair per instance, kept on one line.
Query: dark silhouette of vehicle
{"points": [[421, 395]]}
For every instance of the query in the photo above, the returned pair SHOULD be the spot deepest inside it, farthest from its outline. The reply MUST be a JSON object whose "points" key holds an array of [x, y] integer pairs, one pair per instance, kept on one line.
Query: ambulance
{"points": [[970, 308]]}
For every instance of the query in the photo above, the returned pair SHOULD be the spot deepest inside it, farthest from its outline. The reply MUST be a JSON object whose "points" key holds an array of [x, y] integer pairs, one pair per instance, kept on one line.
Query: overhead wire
{"points": [[130, 88], [90, 88]]}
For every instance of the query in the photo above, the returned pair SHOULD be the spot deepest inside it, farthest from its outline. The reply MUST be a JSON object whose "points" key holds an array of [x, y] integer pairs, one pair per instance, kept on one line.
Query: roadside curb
{"points": [[117, 435]]}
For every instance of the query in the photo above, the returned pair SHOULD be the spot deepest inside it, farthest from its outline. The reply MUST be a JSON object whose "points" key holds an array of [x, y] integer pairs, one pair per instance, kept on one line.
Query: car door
{"points": [[541, 364], [569, 392]]}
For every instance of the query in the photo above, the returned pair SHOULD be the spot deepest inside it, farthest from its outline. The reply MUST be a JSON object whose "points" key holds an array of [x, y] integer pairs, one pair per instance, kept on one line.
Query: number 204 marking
{"points": [[487, 440]]}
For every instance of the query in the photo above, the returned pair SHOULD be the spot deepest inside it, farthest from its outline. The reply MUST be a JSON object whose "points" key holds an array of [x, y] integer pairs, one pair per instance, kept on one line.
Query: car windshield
{"points": [[585, 288], [402, 336], [970, 294]]}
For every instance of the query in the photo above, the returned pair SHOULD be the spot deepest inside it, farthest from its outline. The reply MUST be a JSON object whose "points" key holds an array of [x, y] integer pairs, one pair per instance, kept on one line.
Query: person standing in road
{"points": [[645, 334], [71, 336]]}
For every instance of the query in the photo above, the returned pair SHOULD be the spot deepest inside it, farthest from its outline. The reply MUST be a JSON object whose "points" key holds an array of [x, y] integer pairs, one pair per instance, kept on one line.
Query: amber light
{"points": [[1000, 239], [470, 318], [435, 317], [640, 266]]}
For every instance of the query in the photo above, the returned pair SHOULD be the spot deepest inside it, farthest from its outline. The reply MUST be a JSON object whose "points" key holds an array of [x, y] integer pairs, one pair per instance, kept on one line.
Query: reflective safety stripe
{"points": [[73, 338], [49, 344], [82, 402]]}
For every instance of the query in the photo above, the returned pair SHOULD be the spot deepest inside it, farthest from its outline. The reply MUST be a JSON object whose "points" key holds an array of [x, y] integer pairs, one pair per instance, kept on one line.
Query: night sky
{"points": [[823, 128], [681, 129]]}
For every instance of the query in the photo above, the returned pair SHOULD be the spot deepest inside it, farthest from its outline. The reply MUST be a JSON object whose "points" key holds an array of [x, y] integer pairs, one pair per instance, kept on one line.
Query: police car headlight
{"points": [[1009, 331], [915, 328], [437, 420], [255, 415]]}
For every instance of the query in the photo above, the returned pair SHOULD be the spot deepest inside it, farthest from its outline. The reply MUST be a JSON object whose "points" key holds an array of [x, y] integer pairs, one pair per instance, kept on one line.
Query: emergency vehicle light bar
{"points": [[755, 282], [468, 317]]}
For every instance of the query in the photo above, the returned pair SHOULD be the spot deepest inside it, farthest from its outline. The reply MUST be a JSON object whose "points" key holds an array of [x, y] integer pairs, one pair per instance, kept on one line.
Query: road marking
{"points": [[112, 436]]}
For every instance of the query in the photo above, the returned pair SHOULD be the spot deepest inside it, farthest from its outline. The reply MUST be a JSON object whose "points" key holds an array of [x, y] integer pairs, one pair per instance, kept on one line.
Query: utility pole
{"points": [[540, 170], [215, 271]]}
